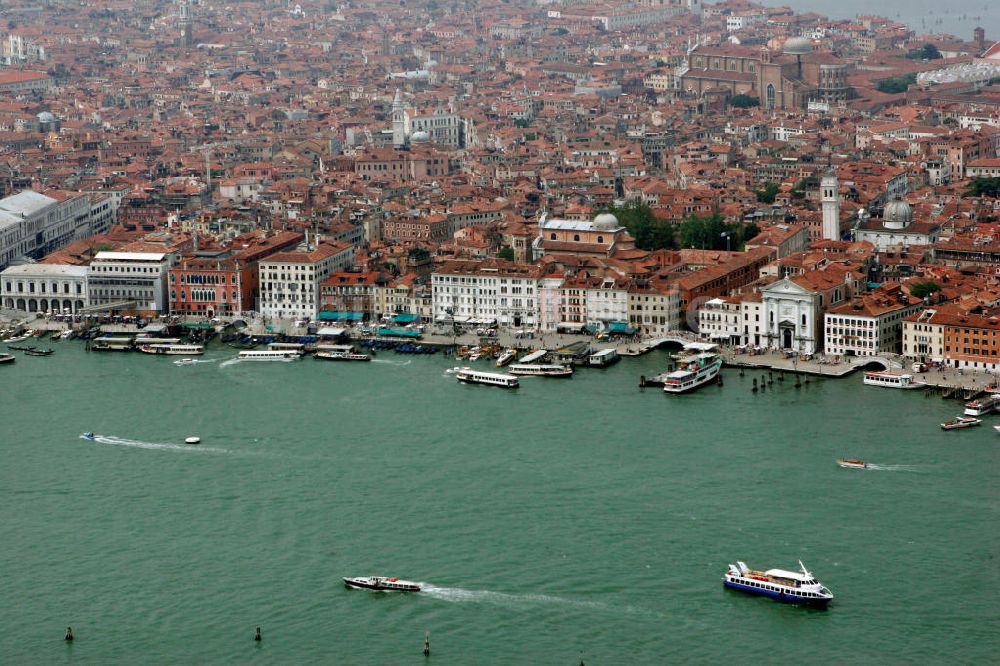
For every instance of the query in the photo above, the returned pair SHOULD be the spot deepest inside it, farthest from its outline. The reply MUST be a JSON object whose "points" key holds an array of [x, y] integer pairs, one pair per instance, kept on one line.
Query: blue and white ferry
{"points": [[794, 587]]}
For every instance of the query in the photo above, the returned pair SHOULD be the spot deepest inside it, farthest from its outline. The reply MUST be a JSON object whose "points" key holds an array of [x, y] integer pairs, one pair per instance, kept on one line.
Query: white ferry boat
{"points": [[794, 587], [692, 372], [341, 356], [470, 376], [173, 349], [270, 355], [603, 358], [983, 406], [382, 584], [891, 380], [540, 370]]}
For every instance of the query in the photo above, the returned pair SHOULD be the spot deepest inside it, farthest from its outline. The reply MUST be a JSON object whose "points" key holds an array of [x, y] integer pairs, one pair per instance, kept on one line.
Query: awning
{"points": [[399, 332], [331, 332], [405, 318], [621, 327], [571, 325], [334, 315]]}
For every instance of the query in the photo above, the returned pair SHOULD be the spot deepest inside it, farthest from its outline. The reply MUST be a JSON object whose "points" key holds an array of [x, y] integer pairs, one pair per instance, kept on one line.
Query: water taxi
{"points": [[983, 406], [794, 587], [170, 349], [692, 372], [540, 370], [603, 358], [851, 463], [270, 355], [192, 440], [890, 380], [960, 422], [341, 356], [506, 357], [185, 361], [382, 584], [470, 376]]}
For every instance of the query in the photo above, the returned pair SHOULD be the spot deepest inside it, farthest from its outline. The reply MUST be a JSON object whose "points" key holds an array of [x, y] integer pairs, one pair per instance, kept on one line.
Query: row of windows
{"points": [[43, 288]]}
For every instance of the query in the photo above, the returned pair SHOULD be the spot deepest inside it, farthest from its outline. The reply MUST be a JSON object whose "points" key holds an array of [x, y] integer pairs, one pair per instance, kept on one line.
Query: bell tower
{"points": [[830, 197]]}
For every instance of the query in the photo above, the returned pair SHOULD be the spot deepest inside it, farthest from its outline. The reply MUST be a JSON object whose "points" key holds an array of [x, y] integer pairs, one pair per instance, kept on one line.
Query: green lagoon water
{"points": [[572, 518]]}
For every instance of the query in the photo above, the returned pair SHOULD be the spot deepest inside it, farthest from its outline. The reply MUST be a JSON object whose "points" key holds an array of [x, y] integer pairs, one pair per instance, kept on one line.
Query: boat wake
{"points": [[385, 362], [893, 468], [459, 595], [229, 362], [157, 446]]}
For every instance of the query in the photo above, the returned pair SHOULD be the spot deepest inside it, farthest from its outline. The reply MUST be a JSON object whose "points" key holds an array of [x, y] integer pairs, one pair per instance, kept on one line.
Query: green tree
{"points": [[649, 232], [896, 84], [925, 52], [506, 252], [742, 101], [925, 288], [768, 193], [713, 233], [800, 188], [983, 187]]}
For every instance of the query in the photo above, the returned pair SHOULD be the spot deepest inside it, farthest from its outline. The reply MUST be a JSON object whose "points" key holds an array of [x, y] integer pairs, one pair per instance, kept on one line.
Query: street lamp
{"points": [[726, 235]]}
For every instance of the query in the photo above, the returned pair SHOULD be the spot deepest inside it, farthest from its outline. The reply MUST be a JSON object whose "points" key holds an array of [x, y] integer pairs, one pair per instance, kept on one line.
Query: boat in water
{"points": [[19, 338], [506, 357], [470, 376], [692, 372], [270, 355], [88, 435], [192, 440], [381, 584], [186, 361], [983, 406], [170, 349], [851, 463], [541, 370], [7, 358], [341, 356], [890, 380], [960, 422], [39, 352], [794, 587]]}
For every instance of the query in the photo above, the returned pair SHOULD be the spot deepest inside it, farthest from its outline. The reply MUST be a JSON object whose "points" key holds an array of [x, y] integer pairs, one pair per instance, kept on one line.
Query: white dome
{"points": [[606, 222], [797, 46], [420, 137], [897, 215]]}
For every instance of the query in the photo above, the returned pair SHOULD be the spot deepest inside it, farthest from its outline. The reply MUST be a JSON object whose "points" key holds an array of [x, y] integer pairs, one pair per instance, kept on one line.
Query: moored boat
{"points": [[39, 352], [172, 349], [342, 356], [891, 380], [852, 463], [692, 372], [470, 376], [960, 422], [603, 358], [794, 587], [381, 584], [540, 370], [19, 338], [983, 406], [7, 358]]}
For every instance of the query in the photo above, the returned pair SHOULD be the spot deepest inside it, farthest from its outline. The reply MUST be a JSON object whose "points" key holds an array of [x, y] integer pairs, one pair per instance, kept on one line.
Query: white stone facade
{"points": [[44, 288]]}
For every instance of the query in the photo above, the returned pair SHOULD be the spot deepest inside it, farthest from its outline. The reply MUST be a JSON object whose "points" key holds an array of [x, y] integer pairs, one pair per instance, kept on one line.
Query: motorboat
{"points": [[960, 422], [506, 357], [382, 584], [39, 352], [185, 361], [88, 435], [851, 463], [456, 369], [7, 358], [341, 356], [19, 338], [192, 440], [794, 587]]}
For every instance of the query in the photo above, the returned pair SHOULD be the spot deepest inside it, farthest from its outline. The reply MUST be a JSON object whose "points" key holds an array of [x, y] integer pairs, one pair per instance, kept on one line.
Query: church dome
{"points": [[897, 215], [606, 222], [797, 46]]}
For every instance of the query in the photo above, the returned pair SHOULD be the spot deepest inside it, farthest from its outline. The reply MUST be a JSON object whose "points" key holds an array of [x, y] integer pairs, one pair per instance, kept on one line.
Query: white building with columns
{"points": [[792, 316], [58, 288]]}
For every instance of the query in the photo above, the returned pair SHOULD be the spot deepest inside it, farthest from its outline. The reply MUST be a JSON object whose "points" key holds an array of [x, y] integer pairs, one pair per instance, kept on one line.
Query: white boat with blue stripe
{"points": [[793, 587]]}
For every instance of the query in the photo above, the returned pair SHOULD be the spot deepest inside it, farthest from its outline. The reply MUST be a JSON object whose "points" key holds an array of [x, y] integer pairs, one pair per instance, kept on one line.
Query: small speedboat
{"points": [[852, 463], [7, 358], [192, 440], [88, 435], [960, 422], [382, 584], [185, 361]]}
